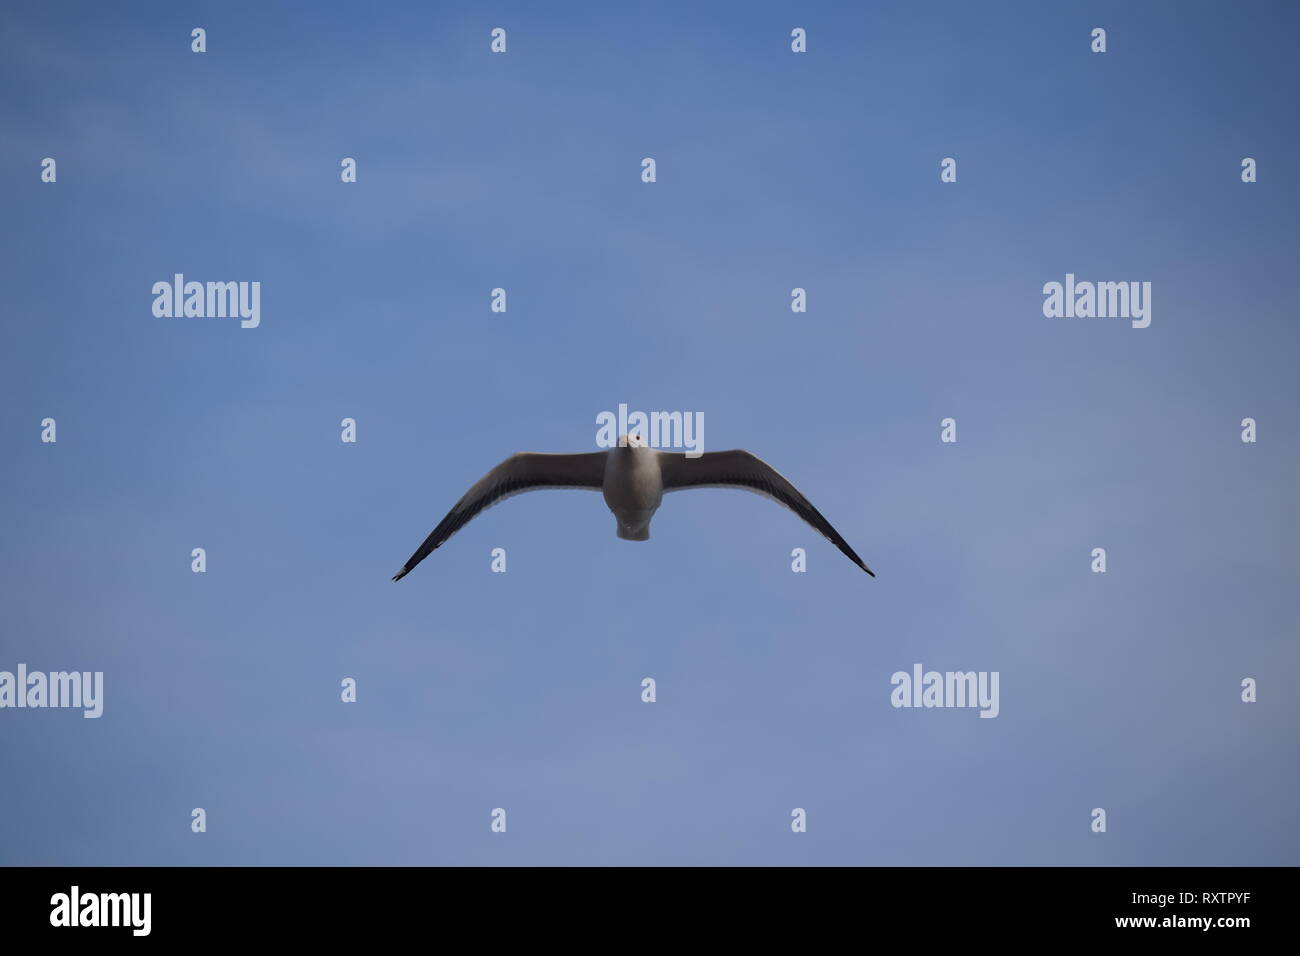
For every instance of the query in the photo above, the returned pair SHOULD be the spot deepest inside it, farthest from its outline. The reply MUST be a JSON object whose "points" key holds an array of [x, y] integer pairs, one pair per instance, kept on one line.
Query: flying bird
{"points": [[633, 478]]}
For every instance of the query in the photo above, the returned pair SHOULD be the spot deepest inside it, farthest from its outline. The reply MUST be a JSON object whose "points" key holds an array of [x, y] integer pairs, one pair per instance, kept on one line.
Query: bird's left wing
{"points": [[740, 469], [526, 471]]}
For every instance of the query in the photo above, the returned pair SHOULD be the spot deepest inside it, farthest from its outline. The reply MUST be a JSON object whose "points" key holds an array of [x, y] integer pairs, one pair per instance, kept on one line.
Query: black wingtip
{"points": [[868, 570], [402, 573]]}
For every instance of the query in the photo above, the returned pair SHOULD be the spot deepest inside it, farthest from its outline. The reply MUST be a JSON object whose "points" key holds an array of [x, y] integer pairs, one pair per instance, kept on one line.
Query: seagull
{"points": [[633, 478]]}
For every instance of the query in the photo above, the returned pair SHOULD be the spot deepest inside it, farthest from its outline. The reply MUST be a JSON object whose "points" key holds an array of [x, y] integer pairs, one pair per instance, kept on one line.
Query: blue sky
{"points": [[522, 690]]}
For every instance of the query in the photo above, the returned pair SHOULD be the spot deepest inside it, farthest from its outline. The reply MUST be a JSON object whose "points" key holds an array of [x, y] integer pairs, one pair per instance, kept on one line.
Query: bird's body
{"points": [[633, 479], [633, 487]]}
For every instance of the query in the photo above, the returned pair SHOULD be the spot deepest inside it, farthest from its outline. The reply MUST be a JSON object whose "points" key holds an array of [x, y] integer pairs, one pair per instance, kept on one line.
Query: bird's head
{"points": [[633, 440]]}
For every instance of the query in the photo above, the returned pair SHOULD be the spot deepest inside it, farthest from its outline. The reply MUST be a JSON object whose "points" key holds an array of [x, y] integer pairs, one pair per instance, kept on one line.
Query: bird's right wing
{"points": [[526, 471], [740, 469]]}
